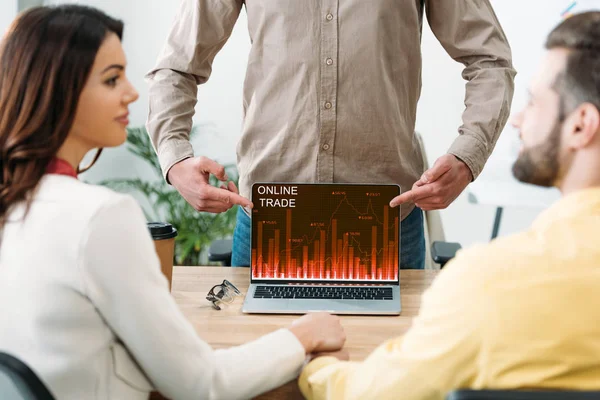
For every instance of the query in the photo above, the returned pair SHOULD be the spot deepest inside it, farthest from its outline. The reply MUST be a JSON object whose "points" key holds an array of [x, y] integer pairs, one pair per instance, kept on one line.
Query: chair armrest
{"points": [[442, 252], [220, 251], [521, 395]]}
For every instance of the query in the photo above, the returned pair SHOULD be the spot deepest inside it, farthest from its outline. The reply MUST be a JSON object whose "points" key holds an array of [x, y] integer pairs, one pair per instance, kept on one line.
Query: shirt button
{"points": [[328, 105], [329, 17], [325, 147], [329, 61]]}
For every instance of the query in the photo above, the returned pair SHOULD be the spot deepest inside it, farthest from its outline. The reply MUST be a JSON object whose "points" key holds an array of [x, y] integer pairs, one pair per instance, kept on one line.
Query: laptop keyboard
{"points": [[323, 292]]}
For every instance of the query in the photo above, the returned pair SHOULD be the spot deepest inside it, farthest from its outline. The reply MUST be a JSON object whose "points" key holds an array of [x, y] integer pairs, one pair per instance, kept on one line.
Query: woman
{"points": [[82, 299]]}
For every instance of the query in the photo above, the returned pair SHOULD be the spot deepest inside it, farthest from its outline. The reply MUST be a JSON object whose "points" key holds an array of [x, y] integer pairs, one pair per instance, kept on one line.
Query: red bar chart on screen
{"points": [[325, 232]]}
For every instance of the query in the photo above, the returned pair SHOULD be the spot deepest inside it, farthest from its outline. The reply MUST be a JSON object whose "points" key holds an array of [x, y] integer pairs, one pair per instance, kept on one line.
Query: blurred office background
{"points": [[219, 111]]}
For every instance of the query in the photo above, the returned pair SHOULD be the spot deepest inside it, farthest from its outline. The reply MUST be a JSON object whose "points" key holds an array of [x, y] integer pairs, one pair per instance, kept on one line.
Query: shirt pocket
{"points": [[127, 370]]}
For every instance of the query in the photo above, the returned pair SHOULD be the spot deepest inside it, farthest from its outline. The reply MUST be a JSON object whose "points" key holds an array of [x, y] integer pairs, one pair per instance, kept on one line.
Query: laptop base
{"points": [[334, 306]]}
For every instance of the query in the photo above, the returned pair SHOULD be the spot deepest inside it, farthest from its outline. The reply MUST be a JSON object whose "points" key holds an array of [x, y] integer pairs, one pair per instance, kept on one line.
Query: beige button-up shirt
{"points": [[332, 86]]}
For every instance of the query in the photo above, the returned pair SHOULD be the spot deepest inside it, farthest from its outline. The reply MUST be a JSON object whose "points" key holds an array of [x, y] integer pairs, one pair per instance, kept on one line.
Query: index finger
{"points": [[227, 197], [411, 195]]}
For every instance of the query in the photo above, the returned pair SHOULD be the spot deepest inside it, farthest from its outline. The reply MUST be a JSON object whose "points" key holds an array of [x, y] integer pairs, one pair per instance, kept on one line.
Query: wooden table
{"points": [[230, 327]]}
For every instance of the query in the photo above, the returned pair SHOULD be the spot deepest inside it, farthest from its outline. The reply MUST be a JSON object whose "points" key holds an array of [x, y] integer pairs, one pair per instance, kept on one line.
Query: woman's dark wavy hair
{"points": [[45, 59]]}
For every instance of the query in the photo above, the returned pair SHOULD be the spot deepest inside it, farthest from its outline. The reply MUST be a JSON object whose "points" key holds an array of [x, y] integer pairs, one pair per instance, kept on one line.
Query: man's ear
{"points": [[583, 126]]}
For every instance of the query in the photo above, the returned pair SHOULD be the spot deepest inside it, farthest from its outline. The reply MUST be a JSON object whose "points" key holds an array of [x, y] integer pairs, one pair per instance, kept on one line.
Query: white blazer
{"points": [[84, 304]]}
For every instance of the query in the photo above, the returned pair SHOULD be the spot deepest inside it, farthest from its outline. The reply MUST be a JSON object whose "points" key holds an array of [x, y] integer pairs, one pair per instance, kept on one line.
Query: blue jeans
{"points": [[412, 241]]}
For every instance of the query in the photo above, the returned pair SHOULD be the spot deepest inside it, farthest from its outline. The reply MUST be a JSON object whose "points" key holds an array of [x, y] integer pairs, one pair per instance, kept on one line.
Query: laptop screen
{"points": [[325, 232]]}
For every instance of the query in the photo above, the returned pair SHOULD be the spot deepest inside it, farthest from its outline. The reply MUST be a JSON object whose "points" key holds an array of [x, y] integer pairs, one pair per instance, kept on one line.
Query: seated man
{"points": [[522, 311]]}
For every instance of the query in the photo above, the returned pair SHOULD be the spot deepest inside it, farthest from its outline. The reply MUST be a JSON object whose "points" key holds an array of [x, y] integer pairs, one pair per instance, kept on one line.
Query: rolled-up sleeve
{"points": [[471, 34], [200, 30]]}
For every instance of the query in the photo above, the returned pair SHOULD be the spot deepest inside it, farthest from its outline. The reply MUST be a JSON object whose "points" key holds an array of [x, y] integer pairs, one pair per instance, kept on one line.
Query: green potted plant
{"points": [[196, 229]]}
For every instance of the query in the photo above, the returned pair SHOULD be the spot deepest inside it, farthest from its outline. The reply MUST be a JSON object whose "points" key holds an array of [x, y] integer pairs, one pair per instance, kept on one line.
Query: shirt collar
{"points": [[61, 167], [585, 202]]}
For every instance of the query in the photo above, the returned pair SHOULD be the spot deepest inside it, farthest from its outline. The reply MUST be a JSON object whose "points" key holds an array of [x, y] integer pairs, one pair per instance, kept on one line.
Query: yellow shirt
{"points": [[522, 311]]}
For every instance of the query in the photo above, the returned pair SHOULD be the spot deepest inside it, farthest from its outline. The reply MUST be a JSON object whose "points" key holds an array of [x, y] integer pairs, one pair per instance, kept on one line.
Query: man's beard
{"points": [[540, 165]]}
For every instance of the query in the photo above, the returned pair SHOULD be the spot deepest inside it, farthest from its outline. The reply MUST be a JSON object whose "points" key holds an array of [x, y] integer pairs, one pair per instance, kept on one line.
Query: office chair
{"points": [[19, 382], [521, 395], [440, 252], [220, 251], [437, 251]]}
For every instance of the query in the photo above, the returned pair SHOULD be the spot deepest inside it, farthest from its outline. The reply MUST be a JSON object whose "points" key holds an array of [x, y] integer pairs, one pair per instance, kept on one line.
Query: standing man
{"points": [[331, 95]]}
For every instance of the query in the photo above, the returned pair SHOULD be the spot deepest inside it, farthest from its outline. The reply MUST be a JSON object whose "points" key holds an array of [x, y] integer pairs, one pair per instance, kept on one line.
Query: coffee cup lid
{"points": [[161, 230]]}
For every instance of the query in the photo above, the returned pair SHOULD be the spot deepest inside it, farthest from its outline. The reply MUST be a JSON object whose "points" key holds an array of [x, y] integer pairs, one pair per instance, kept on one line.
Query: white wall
{"points": [[147, 23], [220, 100], [8, 10], [526, 24], [442, 103]]}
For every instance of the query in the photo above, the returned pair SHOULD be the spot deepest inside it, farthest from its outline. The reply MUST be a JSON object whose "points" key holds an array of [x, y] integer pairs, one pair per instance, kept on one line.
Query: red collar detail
{"points": [[61, 167]]}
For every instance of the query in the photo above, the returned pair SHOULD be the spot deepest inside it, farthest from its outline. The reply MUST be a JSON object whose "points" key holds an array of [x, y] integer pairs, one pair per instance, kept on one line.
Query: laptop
{"points": [[324, 247]]}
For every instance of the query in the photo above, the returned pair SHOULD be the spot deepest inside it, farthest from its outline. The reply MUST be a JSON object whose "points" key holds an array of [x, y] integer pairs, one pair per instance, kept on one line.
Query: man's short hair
{"points": [[580, 81]]}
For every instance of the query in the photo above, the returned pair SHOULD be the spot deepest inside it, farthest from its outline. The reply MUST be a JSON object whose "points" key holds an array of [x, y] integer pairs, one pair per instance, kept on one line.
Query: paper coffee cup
{"points": [[164, 235]]}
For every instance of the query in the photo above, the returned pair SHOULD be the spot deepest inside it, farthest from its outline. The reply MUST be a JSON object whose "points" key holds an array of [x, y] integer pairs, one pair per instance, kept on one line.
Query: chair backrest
{"points": [[521, 395], [434, 230], [19, 382]]}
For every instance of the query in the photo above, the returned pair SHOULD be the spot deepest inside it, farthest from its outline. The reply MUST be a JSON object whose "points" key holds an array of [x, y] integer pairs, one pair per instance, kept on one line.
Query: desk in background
{"points": [[230, 327]]}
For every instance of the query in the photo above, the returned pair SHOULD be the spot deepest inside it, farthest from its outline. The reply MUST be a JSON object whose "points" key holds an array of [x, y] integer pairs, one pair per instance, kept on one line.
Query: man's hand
{"points": [[190, 178], [439, 186], [319, 332], [341, 355]]}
